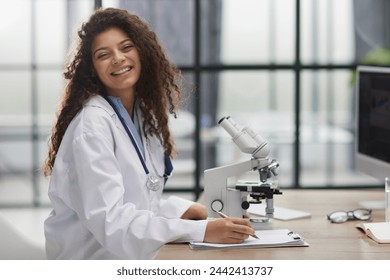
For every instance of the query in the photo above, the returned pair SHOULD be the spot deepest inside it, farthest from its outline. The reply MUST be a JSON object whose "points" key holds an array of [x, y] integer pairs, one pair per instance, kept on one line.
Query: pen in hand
{"points": [[226, 216]]}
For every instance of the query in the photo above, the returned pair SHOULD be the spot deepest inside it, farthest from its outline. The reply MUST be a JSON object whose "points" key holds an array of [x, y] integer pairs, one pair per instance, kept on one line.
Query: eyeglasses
{"points": [[343, 216]]}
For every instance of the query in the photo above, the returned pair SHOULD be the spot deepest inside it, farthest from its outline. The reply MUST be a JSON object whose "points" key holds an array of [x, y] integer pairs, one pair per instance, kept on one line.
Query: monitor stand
{"points": [[377, 204], [373, 204]]}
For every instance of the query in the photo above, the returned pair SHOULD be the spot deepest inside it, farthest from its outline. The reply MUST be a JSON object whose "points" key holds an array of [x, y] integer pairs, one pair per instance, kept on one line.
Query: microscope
{"points": [[224, 193]]}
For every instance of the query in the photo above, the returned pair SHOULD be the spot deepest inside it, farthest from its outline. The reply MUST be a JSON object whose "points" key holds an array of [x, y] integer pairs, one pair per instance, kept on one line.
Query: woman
{"points": [[110, 148]]}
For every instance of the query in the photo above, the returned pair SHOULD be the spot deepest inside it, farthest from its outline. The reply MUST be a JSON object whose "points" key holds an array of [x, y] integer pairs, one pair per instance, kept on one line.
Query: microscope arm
{"points": [[236, 168], [218, 193]]}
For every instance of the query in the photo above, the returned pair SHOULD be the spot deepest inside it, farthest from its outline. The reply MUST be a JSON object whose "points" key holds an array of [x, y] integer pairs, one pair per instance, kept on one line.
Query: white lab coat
{"points": [[102, 208]]}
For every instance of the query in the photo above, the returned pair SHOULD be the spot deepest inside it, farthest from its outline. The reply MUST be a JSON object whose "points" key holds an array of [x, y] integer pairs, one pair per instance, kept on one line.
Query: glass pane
{"points": [[211, 27], [15, 172], [248, 92], [50, 31], [77, 12], [327, 136], [50, 89], [262, 100], [257, 31], [372, 31], [327, 29], [172, 20], [15, 32], [15, 99], [183, 130]]}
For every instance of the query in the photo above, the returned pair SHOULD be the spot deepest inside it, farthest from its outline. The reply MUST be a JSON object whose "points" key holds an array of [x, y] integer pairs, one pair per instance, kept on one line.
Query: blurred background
{"points": [[284, 67]]}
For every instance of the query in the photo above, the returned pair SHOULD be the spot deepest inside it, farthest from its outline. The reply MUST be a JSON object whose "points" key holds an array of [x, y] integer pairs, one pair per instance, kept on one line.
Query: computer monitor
{"points": [[373, 121]]}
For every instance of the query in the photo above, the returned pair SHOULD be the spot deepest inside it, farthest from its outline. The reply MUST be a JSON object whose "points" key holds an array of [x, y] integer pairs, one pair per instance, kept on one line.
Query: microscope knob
{"points": [[217, 205], [245, 205]]}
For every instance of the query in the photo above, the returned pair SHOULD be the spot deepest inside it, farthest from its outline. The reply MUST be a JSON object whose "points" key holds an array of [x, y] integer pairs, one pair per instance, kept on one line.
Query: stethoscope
{"points": [[154, 182]]}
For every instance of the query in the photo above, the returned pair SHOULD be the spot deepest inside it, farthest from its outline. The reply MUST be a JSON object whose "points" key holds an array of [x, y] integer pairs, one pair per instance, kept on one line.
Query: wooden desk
{"points": [[327, 241]]}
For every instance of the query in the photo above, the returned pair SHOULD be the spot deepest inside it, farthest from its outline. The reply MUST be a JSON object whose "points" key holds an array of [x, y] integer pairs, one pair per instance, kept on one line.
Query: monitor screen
{"points": [[373, 121]]}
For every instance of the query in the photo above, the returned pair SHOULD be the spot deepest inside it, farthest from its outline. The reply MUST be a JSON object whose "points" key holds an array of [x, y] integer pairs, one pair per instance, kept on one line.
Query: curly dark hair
{"points": [[157, 89]]}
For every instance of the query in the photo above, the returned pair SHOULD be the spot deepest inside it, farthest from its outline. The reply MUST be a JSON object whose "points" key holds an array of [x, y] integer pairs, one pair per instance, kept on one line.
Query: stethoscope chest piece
{"points": [[153, 183]]}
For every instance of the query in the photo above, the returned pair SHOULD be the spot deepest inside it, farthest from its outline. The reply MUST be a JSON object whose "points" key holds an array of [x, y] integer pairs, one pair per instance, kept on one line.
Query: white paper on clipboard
{"points": [[272, 238]]}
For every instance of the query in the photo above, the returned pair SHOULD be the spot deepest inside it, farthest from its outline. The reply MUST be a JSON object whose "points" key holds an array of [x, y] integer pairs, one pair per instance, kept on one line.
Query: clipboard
{"points": [[272, 238]]}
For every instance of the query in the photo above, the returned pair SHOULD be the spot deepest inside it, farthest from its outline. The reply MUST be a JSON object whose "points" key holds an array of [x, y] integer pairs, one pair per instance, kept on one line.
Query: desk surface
{"points": [[327, 241]]}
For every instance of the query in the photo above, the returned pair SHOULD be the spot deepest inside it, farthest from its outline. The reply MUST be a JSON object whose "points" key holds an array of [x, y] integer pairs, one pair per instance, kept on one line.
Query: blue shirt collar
{"points": [[134, 126]]}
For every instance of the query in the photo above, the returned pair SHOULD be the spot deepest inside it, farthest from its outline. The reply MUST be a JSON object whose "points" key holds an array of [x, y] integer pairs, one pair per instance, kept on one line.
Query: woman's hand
{"points": [[196, 211], [228, 230]]}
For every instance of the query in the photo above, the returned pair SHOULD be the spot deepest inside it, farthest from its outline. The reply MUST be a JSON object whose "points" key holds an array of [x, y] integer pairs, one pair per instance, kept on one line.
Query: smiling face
{"points": [[116, 62]]}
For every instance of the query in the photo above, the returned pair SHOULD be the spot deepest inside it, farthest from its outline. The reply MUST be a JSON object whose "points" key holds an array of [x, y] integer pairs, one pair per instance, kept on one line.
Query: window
{"points": [[31, 82], [282, 66]]}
